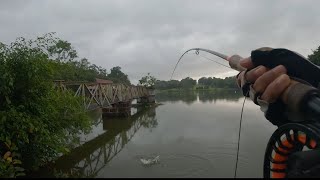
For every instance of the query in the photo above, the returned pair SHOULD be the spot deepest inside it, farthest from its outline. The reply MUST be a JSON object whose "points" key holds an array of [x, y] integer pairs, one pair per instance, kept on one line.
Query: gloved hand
{"points": [[269, 73]]}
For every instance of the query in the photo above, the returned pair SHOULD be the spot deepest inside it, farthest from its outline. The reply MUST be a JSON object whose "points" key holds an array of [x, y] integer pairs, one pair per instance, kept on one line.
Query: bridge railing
{"points": [[103, 95]]}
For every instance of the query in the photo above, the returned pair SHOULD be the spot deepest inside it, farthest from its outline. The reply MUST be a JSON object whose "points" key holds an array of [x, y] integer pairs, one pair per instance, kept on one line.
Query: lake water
{"points": [[195, 134]]}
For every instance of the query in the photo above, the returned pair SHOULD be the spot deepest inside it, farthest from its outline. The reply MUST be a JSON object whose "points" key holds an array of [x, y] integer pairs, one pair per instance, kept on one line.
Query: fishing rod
{"points": [[235, 60], [290, 137]]}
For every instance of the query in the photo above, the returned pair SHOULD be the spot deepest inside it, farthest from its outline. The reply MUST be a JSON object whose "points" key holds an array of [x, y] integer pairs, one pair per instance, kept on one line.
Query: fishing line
{"points": [[214, 61], [224, 57], [197, 52], [239, 135]]}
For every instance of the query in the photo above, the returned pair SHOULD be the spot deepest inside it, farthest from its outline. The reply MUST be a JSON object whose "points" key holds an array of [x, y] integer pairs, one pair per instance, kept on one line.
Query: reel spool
{"points": [[285, 141]]}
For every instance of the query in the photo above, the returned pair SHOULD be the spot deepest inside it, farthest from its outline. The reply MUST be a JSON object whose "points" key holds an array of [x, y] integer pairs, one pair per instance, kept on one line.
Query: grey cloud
{"points": [[145, 36]]}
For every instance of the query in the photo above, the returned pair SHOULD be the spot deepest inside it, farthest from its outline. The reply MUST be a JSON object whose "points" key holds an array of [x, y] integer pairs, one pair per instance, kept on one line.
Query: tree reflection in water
{"points": [[190, 97]]}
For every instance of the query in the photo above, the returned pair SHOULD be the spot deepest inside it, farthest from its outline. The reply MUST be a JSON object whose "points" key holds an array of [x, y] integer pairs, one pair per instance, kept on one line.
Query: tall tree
{"points": [[174, 84], [117, 76], [188, 83], [148, 81], [62, 51], [203, 81]]}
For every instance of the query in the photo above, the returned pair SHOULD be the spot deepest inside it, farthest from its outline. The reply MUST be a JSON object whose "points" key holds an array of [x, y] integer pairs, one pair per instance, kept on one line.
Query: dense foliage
{"points": [[37, 121], [228, 82], [203, 83], [77, 70], [117, 76], [66, 65]]}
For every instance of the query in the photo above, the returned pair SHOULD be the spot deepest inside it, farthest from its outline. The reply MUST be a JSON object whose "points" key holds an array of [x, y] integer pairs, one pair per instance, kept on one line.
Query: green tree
{"points": [[188, 83], [117, 76], [228, 82], [148, 81], [37, 121], [62, 51], [173, 84], [315, 56], [65, 65], [203, 81]]}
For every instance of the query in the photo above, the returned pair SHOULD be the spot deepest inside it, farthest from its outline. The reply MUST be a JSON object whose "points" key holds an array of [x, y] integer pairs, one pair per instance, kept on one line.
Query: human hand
{"points": [[270, 83]]}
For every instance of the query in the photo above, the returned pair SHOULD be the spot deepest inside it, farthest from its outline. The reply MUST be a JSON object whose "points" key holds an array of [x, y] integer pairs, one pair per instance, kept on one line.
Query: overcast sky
{"points": [[144, 36]]}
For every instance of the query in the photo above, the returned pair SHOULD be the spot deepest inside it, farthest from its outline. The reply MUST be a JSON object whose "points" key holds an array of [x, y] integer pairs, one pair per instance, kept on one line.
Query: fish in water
{"points": [[150, 161]]}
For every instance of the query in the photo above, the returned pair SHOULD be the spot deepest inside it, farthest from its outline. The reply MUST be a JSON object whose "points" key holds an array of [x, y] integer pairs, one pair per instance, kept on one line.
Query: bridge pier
{"points": [[150, 99], [120, 109]]}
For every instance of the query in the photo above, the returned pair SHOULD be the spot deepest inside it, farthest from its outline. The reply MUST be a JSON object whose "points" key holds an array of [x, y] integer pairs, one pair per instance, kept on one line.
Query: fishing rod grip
{"points": [[302, 100], [234, 62]]}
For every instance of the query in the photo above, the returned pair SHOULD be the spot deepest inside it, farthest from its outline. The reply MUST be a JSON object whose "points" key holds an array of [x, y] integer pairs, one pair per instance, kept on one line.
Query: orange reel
{"points": [[286, 140]]}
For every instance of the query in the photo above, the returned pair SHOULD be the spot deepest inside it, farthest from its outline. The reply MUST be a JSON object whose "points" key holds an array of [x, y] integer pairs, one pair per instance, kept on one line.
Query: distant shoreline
{"points": [[209, 89]]}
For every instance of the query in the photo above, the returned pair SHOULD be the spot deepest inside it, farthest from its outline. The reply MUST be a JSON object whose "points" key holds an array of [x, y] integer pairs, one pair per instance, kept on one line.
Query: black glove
{"points": [[297, 66]]}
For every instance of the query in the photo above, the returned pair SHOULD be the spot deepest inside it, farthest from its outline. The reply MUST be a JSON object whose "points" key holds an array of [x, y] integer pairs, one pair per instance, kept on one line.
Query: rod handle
{"points": [[234, 62]]}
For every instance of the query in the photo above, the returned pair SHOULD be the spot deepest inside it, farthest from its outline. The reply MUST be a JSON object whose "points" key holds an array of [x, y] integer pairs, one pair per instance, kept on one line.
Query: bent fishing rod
{"points": [[303, 103]]}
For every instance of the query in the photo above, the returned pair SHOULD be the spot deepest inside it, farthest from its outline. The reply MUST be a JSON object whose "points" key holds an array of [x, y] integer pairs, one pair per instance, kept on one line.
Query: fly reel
{"points": [[284, 142]]}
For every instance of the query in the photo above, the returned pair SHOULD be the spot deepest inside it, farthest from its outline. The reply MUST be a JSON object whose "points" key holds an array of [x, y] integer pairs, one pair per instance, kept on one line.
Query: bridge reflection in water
{"points": [[88, 159]]}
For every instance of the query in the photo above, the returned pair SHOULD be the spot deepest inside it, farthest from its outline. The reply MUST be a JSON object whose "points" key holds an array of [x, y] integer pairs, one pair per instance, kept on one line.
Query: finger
{"points": [[276, 88], [264, 80], [255, 73], [251, 75], [246, 63]]}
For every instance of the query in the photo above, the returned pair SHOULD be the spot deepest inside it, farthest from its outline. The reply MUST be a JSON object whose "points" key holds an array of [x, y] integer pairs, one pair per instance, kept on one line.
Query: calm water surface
{"points": [[194, 133]]}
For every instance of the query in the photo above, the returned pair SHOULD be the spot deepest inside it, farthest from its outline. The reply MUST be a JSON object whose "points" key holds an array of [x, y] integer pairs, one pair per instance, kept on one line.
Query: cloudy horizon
{"points": [[143, 36]]}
